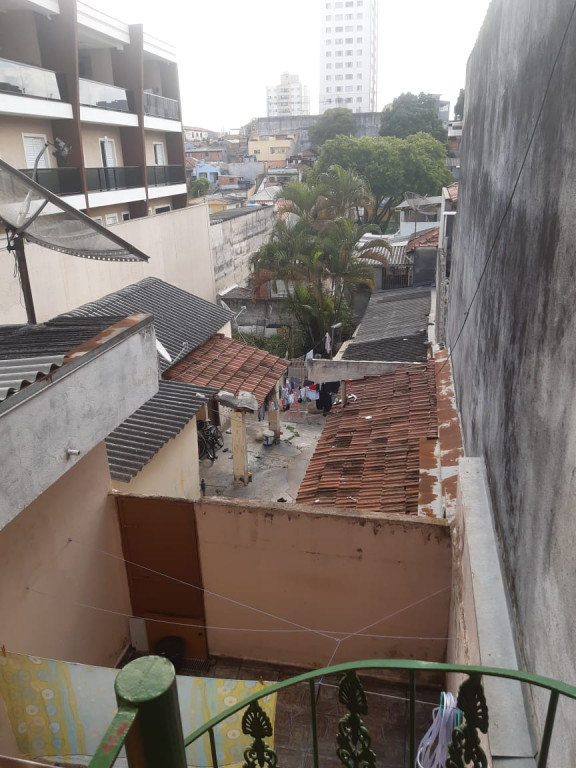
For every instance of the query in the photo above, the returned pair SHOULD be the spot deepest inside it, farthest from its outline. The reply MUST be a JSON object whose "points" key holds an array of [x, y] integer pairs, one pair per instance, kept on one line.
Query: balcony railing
{"points": [[104, 96], [26, 80], [103, 179], [161, 106], [146, 692], [60, 181], [160, 175]]}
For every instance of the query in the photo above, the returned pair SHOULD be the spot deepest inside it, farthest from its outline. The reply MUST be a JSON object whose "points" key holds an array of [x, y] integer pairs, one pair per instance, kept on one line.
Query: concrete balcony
{"points": [[31, 91], [165, 180], [108, 104], [108, 186]]}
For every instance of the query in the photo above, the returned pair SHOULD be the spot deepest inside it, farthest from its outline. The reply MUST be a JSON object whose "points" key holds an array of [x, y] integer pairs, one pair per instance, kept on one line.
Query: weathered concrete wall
{"points": [[45, 576], [515, 362], [75, 408], [322, 572], [367, 124], [233, 243], [173, 472]]}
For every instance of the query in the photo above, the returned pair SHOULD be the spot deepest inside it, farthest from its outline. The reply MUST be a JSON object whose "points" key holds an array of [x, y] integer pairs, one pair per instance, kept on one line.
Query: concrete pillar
{"points": [[274, 422], [239, 447]]}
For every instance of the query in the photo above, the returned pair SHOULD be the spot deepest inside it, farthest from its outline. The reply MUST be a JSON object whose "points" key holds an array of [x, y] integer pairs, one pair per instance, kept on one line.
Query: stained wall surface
{"points": [[52, 560], [515, 360], [310, 578]]}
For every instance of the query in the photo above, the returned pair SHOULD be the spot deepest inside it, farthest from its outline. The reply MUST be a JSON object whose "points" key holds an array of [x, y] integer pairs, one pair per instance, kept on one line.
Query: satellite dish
{"points": [[419, 203], [30, 212], [162, 351]]}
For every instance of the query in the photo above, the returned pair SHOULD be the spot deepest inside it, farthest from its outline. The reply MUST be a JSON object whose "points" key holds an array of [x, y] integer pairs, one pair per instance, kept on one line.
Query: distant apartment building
{"points": [[348, 55], [288, 98], [274, 150], [72, 75]]}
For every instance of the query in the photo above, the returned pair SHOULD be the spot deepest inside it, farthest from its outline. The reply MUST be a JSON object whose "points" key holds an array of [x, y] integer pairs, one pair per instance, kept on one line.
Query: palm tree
{"points": [[345, 192], [345, 257]]}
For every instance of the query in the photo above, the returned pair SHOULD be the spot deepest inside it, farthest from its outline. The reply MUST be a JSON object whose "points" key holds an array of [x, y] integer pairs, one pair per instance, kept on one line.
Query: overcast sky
{"points": [[230, 50]]}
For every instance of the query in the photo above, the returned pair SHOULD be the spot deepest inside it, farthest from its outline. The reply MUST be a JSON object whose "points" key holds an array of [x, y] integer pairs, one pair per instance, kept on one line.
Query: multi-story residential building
{"points": [[348, 55], [274, 150], [288, 98], [72, 75]]}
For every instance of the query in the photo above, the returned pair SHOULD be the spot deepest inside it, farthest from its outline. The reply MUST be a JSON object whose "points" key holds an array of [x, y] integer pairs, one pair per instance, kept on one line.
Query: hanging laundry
{"points": [[327, 344], [309, 355]]}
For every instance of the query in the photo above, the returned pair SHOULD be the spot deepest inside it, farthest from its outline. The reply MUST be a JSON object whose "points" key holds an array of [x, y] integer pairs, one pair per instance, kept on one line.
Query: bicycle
{"points": [[210, 439]]}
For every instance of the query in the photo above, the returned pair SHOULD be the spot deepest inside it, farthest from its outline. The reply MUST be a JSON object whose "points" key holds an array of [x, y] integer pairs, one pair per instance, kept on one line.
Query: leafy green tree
{"points": [[391, 166], [334, 122], [410, 114], [198, 188], [459, 106]]}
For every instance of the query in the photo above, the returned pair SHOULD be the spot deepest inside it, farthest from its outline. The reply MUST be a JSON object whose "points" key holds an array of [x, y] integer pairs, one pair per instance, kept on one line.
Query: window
{"points": [[339, 41], [338, 17], [338, 53], [328, 5], [338, 88], [338, 29], [34, 143], [328, 30], [359, 16], [359, 52], [358, 87], [162, 209], [350, 28], [348, 53], [349, 40], [348, 100], [339, 65], [349, 64], [349, 16], [111, 218], [359, 28], [328, 54], [338, 77], [97, 219], [359, 99], [328, 78], [359, 39], [328, 90], [348, 88], [328, 66], [108, 152], [349, 77], [159, 154], [125, 216], [359, 76]]}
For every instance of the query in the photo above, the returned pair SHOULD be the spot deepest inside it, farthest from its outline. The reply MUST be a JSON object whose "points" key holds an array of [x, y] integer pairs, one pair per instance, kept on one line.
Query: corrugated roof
{"points": [[368, 456], [55, 337], [17, 374], [139, 438], [396, 257], [182, 321], [394, 327], [229, 364], [404, 349]]}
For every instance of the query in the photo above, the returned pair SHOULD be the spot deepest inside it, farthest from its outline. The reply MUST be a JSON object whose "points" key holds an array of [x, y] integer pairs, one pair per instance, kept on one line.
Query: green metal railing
{"points": [[148, 720]]}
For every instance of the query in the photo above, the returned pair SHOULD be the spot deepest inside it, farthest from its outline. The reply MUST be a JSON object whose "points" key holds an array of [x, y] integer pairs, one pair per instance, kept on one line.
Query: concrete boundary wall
{"points": [[327, 571]]}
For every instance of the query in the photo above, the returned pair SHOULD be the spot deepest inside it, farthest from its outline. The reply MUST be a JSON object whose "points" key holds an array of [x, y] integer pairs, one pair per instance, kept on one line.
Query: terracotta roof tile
{"points": [[229, 364], [426, 239], [368, 457]]}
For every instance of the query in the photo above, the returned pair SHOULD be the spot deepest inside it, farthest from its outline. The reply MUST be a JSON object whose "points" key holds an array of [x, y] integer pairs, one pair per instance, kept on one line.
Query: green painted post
{"points": [[149, 683]]}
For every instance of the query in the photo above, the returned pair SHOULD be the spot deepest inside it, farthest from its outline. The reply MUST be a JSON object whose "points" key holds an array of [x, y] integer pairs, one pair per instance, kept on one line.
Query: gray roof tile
{"points": [[139, 438], [182, 321]]}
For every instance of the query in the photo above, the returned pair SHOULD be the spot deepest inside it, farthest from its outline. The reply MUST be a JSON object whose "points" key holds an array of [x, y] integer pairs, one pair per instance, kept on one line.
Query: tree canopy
{"points": [[410, 114], [391, 166], [315, 251], [459, 106], [334, 122], [198, 188]]}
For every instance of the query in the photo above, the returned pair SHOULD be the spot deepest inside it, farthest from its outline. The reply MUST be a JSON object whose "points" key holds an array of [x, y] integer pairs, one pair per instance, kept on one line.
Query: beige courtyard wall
{"points": [[322, 572], [178, 244], [44, 576], [174, 471]]}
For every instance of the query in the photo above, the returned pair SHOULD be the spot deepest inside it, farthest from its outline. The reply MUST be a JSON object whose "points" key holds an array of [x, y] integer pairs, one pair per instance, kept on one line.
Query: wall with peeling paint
{"points": [[515, 360], [314, 573]]}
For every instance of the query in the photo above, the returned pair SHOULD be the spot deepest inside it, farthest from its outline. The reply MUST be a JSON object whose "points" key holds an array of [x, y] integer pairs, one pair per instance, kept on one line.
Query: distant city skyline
{"points": [[227, 56]]}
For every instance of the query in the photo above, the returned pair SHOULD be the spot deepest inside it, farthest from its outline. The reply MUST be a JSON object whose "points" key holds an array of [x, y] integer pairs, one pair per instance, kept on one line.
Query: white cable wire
{"points": [[433, 749]]}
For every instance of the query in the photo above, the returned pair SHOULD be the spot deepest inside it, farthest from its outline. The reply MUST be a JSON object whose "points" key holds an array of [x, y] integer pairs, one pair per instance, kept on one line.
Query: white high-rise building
{"points": [[348, 55], [288, 98]]}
